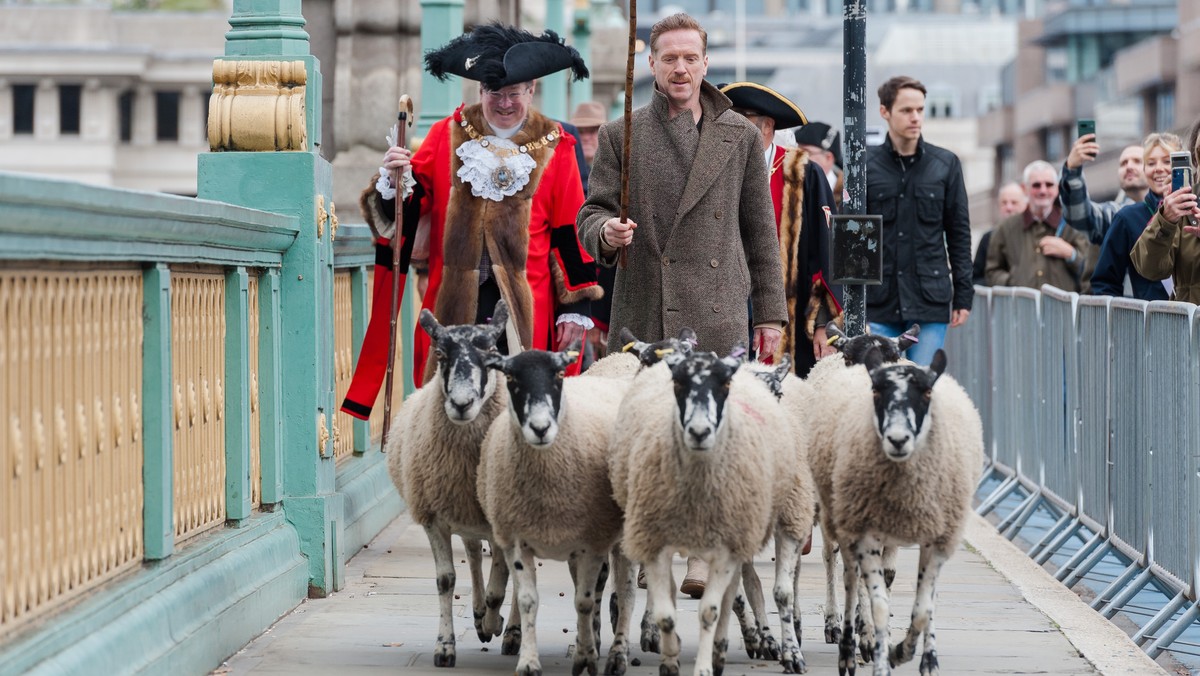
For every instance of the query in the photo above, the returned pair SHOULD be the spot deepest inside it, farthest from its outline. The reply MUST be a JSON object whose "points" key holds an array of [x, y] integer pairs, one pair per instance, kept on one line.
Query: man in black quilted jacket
{"points": [[918, 188]]}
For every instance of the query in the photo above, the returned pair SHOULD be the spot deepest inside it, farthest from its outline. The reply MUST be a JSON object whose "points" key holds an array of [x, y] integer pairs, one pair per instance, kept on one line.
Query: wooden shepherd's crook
{"points": [[404, 120], [623, 260]]}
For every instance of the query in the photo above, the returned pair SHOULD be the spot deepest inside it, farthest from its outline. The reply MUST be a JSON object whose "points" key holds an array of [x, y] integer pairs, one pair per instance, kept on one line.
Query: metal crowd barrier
{"points": [[1089, 407]]}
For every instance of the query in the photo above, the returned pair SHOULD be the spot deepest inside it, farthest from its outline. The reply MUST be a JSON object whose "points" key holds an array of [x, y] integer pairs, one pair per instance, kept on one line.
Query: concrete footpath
{"points": [[997, 613]]}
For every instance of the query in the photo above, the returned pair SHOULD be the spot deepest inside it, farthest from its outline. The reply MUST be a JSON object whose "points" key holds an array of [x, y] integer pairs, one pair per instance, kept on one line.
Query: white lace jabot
{"points": [[490, 175]]}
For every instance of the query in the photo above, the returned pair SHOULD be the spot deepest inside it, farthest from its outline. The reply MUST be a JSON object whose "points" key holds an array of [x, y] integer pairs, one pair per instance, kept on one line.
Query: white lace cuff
{"points": [[387, 191], [585, 322]]}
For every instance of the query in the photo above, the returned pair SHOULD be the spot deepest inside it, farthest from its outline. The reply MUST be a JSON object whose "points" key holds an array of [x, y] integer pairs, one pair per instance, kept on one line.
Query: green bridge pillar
{"points": [[265, 133], [441, 22]]}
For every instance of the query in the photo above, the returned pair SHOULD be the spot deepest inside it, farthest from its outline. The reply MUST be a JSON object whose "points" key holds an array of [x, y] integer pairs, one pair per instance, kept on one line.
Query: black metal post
{"points": [[854, 110]]}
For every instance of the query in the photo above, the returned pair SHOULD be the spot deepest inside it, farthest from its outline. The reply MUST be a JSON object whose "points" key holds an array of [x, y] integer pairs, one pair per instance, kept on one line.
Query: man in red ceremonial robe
{"points": [[803, 203], [500, 186]]}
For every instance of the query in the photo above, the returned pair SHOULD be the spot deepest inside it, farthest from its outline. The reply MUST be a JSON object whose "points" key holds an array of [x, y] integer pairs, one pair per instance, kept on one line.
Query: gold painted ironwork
{"points": [[258, 106], [323, 435], [71, 449], [198, 370], [343, 362], [255, 412], [333, 221], [322, 216]]}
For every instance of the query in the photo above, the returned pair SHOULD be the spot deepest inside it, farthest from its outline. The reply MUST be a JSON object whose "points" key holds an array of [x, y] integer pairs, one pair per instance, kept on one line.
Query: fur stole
{"points": [[791, 225]]}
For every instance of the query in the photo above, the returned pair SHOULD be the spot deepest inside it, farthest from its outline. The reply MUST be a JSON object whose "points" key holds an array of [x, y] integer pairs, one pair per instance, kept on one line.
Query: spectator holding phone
{"points": [[1114, 276], [1168, 249], [1081, 213]]}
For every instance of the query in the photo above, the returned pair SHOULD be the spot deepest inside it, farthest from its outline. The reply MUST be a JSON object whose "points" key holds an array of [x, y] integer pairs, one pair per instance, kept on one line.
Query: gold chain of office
{"points": [[508, 152]]}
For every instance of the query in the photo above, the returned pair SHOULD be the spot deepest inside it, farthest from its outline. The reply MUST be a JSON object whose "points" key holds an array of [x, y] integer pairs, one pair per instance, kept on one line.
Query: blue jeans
{"points": [[931, 338]]}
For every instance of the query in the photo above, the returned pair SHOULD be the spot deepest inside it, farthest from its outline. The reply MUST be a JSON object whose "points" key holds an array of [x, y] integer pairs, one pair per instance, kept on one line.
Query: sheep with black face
{"points": [[543, 484], [433, 456], [692, 464], [909, 454]]}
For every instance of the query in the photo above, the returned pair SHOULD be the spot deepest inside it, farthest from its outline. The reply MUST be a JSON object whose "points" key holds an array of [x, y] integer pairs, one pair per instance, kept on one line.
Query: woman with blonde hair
{"points": [[1169, 248], [1113, 275]]}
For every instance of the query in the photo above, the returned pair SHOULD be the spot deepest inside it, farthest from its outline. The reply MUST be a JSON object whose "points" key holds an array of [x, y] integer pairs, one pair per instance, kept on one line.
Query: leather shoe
{"points": [[695, 579]]}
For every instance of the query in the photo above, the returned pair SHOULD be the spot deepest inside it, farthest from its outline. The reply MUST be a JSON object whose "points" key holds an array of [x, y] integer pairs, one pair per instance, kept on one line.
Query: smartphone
{"points": [[1085, 127], [1181, 170]]}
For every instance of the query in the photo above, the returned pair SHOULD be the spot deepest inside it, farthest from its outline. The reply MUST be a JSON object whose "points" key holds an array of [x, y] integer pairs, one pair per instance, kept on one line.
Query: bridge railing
{"points": [[142, 364], [1090, 408]]}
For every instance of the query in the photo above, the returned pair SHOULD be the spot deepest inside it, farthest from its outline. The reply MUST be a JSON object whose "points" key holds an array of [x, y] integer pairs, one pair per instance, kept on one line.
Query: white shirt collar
{"points": [[769, 156]]}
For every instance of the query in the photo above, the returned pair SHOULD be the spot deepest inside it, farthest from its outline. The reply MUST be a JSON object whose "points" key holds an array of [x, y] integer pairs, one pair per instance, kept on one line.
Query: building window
{"points": [[1052, 141], [23, 108], [1164, 109], [70, 97], [166, 113], [125, 115]]}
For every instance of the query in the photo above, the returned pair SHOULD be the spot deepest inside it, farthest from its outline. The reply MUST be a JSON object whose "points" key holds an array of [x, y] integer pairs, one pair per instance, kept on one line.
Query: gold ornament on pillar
{"points": [[258, 106]]}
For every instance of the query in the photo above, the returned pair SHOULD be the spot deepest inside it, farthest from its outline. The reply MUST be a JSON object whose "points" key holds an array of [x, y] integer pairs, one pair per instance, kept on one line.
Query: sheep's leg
{"points": [[621, 611], [588, 571], [787, 556], [847, 662], [922, 614], [493, 621], [721, 643], [443, 561], [869, 551], [829, 552], [864, 623], [475, 565], [660, 590], [651, 640], [721, 569], [768, 649], [511, 643], [745, 618], [522, 568], [601, 582]]}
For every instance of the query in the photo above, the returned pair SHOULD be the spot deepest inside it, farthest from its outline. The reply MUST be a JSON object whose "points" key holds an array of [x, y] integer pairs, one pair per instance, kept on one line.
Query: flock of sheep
{"points": [[662, 449]]}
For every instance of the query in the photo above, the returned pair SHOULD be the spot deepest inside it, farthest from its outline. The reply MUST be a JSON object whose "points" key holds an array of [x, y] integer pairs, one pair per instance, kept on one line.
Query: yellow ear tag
{"points": [[664, 352], [628, 346], [573, 354], [831, 341]]}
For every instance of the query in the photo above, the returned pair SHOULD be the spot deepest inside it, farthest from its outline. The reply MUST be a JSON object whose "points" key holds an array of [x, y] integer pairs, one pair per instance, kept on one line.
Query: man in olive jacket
{"points": [[918, 188], [699, 203]]}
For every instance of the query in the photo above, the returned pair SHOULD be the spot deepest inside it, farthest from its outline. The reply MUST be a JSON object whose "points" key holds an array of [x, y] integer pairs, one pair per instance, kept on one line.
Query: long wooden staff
{"points": [[623, 259], [400, 241]]}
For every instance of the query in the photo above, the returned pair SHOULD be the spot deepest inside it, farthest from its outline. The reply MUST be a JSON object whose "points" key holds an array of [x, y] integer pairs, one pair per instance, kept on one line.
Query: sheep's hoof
{"points": [[833, 633], [584, 663], [752, 642], [668, 670], [485, 636], [720, 650], [444, 654], [900, 653], [617, 663], [651, 639], [847, 662], [929, 663], [793, 662], [770, 648], [532, 669], [511, 643], [866, 647]]}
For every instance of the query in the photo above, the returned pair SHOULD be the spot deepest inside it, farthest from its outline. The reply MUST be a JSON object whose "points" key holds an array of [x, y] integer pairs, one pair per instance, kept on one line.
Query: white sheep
{"points": [[694, 465], [637, 354], [543, 484], [909, 453], [432, 457]]}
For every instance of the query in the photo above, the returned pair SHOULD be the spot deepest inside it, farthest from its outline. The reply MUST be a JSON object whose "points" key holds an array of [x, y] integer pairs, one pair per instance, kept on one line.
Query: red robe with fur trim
{"points": [[537, 259], [803, 201]]}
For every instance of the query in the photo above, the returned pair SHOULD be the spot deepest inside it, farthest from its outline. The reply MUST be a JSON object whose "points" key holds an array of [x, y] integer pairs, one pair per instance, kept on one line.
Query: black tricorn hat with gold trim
{"points": [[766, 101], [498, 55]]}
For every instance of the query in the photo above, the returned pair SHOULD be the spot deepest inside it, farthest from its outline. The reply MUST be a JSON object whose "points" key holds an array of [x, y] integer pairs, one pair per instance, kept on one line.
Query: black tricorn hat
{"points": [[499, 55], [823, 136], [767, 101]]}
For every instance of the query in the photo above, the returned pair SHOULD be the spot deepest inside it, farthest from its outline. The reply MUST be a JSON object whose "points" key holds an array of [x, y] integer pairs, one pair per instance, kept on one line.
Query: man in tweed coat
{"points": [[699, 202]]}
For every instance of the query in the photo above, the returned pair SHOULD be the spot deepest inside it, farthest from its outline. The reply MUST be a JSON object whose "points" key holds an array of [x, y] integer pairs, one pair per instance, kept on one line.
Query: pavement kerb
{"points": [[1098, 640]]}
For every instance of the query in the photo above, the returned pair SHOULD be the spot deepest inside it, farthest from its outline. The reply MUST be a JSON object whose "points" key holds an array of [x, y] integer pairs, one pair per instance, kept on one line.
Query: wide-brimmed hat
{"points": [[589, 114], [499, 55], [821, 135], [765, 101]]}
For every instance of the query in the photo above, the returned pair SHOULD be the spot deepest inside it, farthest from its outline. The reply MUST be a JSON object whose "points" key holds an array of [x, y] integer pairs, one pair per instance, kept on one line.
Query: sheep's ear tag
{"points": [[573, 354], [664, 352], [629, 346], [832, 340]]}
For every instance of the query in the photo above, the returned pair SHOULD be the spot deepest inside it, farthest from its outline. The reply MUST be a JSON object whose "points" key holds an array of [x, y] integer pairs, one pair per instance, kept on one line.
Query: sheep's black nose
{"points": [[540, 431], [898, 443], [461, 408], [700, 435]]}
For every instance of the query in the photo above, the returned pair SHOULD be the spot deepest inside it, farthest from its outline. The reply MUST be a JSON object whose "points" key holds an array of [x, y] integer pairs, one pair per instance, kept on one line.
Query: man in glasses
{"points": [[1036, 247], [1080, 211], [918, 188], [496, 188]]}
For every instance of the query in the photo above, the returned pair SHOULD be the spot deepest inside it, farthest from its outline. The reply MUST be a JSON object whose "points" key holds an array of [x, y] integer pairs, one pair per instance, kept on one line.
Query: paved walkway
{"points": [[997, 613]]}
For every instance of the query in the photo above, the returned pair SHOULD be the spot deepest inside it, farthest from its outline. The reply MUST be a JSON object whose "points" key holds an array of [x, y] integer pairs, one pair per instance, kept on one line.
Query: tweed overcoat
{"points": [[705, 241]]}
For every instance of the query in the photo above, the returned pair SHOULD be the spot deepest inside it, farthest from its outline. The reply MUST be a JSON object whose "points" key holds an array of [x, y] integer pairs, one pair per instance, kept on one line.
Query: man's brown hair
{"points": [[677, 22], [890, 89]]}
